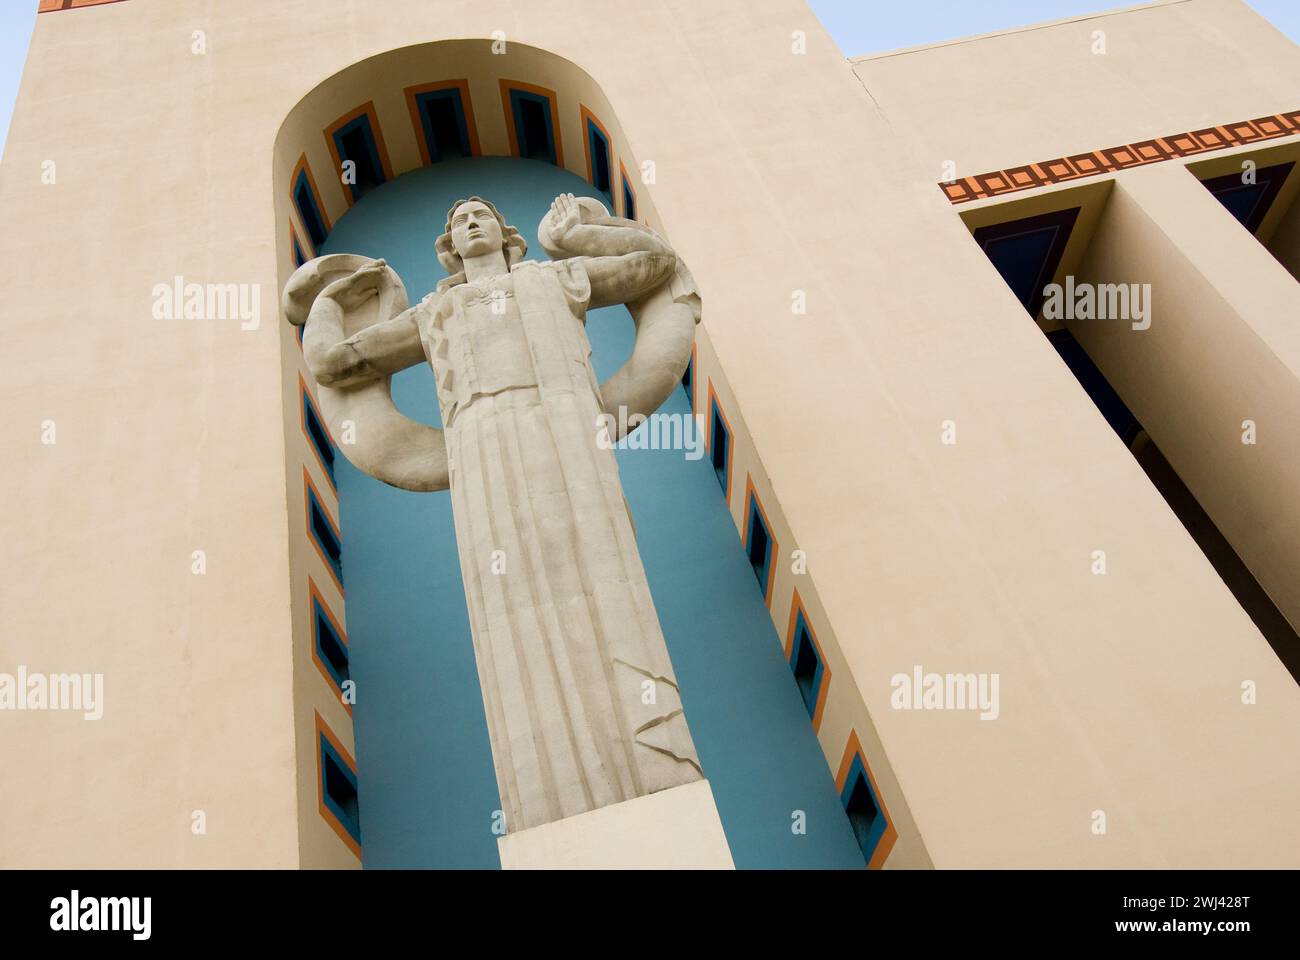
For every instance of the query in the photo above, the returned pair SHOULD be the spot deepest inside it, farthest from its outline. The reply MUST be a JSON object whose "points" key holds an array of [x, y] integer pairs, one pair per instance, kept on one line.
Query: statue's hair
{"points": [[513, 245]]}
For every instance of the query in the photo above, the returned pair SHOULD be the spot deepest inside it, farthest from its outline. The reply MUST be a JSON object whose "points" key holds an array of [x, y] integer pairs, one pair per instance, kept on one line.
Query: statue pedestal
{"points": [[674, 829]]}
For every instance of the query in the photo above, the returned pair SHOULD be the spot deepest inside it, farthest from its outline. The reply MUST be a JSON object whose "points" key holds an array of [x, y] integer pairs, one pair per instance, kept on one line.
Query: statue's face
{"points": [[474, 230]]}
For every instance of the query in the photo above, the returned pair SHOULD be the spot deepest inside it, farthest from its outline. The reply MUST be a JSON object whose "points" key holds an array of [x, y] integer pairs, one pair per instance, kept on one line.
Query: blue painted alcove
{"points": [[427, 791]]}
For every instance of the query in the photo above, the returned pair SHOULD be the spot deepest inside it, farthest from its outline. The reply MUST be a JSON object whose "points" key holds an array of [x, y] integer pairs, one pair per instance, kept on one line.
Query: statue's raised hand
{"points": [[351, 292], [565, 216]]}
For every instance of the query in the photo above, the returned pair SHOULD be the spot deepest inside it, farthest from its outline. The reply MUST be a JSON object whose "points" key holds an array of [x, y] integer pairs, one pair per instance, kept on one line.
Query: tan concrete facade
{"points": [[780, 167]]}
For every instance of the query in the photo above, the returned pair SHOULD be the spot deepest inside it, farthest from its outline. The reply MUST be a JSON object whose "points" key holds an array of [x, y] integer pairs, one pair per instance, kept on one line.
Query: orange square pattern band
{"points": [[1062, 169]]}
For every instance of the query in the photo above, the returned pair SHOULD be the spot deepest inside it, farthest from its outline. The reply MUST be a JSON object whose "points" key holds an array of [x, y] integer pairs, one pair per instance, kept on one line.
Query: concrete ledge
{"points": [[675, 829]]}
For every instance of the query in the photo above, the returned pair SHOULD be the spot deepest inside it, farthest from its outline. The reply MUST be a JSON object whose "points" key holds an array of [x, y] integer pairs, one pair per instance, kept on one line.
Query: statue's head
{"points": [[475, 227]]}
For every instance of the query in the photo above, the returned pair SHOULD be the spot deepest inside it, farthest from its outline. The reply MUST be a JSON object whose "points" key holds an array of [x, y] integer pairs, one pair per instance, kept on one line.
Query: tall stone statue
{"points": [[582, 706]]}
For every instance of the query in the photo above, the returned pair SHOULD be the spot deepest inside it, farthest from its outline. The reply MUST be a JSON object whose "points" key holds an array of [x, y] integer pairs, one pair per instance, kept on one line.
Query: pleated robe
{"points": [[582, 705]]}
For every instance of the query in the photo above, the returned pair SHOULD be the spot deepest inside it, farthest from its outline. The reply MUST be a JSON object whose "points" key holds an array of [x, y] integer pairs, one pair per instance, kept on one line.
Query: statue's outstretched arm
{"points": [[627, 262], [627, 278], [358, 333], [614, 238], [624, 260], [374, 352]]}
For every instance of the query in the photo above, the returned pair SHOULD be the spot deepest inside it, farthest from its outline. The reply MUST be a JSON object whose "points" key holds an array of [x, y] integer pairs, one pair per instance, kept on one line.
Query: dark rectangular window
{"points": [[720, 441], [355, 145], [863, 812], [759, 544], [600, 174], [322, 532], [805, 667], [444, 126], [1027, 252], [321, 527], [629, 201], [319, 436], [339, 785], [536, 131], [1250, 202], [329, 646], [312, 221]]}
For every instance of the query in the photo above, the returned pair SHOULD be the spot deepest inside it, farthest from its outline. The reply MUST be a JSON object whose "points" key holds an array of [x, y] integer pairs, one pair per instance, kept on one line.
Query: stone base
{"points": [[674, 829]]}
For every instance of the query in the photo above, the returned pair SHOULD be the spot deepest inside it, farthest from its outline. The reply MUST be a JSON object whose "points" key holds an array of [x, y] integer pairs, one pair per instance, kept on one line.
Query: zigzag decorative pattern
{"points": [[1111, 159]]}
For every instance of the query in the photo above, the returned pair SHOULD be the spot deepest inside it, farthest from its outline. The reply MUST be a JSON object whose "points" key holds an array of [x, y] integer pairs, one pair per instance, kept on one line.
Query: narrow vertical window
{"points": [[531, 118], [444, 120], [759, 545], [807, 662], [629, 195], [599, 161], [306, 200], [867, 815], [317, 435], [720, 446], [337, 787], [322, 532]]}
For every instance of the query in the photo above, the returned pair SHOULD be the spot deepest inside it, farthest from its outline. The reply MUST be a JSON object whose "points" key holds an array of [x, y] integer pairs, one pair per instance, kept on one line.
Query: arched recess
{"points": [[407, 109]]}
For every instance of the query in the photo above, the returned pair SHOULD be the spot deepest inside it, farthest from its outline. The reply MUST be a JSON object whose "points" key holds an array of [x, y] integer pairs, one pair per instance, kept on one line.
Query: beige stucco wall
{"points": [[776, 172], [1022, 96]]}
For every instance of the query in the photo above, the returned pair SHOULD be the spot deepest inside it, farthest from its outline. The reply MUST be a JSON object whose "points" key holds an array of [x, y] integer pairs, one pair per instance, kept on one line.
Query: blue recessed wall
{"points": [[427, 791]]}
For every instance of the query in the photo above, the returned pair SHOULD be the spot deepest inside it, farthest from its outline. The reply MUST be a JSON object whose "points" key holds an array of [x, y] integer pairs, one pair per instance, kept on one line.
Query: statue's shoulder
{"points": [[437, 300], [570, 274], [429, 313], [560, 266], [568, 270]]}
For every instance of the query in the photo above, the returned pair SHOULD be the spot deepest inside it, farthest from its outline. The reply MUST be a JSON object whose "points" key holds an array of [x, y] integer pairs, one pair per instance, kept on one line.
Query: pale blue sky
{"points": [[874, 26], [858, 26]]}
